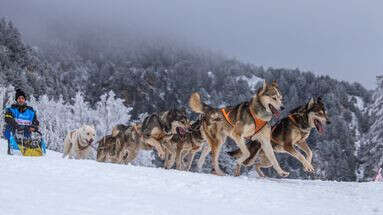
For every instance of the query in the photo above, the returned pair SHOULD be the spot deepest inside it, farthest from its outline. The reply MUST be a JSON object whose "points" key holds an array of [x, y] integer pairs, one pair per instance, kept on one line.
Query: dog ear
{"points": [[263, 89], [319, 99], [115, 131], [311, 103], [274, 83]]}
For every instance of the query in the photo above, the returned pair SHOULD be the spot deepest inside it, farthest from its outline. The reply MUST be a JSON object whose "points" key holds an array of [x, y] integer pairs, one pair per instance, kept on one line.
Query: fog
{"points": [[343, 39]]}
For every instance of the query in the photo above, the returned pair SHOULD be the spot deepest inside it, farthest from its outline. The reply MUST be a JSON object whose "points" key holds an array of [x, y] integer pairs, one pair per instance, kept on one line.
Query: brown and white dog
{"points": [[157, 129], [184, 146], [292, 131], [247, 120], [77, 143]]}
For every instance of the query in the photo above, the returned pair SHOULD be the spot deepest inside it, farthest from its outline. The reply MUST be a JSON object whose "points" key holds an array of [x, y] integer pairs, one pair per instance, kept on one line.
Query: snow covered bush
{"points": [[109, 112]]}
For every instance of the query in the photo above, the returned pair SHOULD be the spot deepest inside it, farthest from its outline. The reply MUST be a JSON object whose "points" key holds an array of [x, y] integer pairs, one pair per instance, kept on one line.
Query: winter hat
{"points": [[19, 93]]}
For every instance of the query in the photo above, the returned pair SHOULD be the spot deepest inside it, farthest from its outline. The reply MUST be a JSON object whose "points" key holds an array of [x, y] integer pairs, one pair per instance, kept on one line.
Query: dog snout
{"points": [[91, 140], [282, 107], [328, 122]]}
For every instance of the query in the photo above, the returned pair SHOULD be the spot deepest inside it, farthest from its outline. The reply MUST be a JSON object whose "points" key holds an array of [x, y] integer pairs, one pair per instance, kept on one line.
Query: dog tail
{"points": [[197, 105]]}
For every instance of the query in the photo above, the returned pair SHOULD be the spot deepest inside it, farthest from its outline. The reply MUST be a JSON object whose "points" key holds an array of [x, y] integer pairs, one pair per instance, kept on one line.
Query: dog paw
{"points": [[284, 174], [218, 173], [309, 168], [237, 171], [161, 155]]}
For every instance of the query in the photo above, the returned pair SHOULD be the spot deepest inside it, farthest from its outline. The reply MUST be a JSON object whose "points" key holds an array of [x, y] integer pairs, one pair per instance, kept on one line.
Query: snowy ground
{"points": [[52, 185]]}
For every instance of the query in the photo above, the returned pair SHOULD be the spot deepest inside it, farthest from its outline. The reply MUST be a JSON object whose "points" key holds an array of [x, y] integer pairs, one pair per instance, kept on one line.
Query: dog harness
{"points": [[80, 146], [259, 124], [291, 118]]}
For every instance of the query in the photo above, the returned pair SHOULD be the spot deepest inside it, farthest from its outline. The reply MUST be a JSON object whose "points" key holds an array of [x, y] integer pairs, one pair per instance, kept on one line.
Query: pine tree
{"points": [[371, 149]]}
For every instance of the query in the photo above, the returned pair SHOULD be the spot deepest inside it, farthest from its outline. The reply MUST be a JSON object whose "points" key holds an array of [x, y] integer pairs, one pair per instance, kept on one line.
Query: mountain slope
{"points": [[52, 185]]}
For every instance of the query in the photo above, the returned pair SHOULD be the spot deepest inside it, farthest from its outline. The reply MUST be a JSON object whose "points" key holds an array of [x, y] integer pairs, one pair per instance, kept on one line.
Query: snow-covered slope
{"points": [[52, 185]]}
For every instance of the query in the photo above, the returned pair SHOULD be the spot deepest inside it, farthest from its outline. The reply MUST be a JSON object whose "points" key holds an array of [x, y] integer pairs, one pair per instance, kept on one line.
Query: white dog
{"points": [[77, 143]]}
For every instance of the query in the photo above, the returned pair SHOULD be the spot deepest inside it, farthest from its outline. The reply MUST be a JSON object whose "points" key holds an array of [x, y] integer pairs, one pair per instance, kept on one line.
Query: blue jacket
{"points": [[19, 115]]}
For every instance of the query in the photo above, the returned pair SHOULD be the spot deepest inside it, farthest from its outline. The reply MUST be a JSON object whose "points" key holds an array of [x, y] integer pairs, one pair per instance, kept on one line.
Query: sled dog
{"points": [[77, 143], [184, 146], [247, 120], [122, 146], [292, 131], [160, 128]]}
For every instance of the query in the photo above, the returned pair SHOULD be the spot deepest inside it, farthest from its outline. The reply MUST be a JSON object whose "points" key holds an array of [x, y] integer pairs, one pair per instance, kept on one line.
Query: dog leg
{"points": [[245, 153], [269, 152], [258, 166], [179, 156], [166, 161], [183, 154], [192, 153], [190, 159], [132, 154], [253, 157], [215, 150], [169, 154], [293, 152], [206, 150], [157, 145], [263, 162], [67, 147], [309, 154], [172, 159]]}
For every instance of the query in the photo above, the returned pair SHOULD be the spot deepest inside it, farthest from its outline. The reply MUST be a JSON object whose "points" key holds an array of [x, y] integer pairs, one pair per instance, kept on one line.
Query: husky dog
{"points": [[121, 146], [290, 132], [77, 143], [160, 128], [185, 145], [247, 120]]}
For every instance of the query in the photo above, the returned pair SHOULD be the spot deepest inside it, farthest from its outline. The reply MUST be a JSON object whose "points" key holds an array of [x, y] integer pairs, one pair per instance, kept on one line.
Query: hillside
{"points": [[52, 185]]}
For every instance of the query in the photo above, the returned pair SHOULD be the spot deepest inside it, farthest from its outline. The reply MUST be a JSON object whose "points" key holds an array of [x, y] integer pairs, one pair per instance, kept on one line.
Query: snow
{"points": [[252, 82], [359, 103], [211, 75], [52, 185]]}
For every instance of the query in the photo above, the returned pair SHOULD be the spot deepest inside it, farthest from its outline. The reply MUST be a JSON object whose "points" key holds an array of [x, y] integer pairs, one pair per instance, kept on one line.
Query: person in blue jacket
{"points": [[20, 116]]}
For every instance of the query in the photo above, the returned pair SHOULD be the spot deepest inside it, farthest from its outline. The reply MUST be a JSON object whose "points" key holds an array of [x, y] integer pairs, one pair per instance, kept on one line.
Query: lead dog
{"points": [[247, 120], [292, 131]]}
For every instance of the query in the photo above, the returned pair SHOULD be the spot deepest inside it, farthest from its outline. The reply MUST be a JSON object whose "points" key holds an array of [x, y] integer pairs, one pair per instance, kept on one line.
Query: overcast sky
{"points": [[342, 38]]}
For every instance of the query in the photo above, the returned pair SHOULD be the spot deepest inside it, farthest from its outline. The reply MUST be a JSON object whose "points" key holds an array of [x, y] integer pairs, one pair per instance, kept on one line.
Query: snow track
{"points": [[52, 185]]}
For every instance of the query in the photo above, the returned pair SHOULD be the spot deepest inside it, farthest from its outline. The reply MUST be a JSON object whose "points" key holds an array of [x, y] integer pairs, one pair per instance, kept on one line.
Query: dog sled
{"points": [[26, 143]]}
